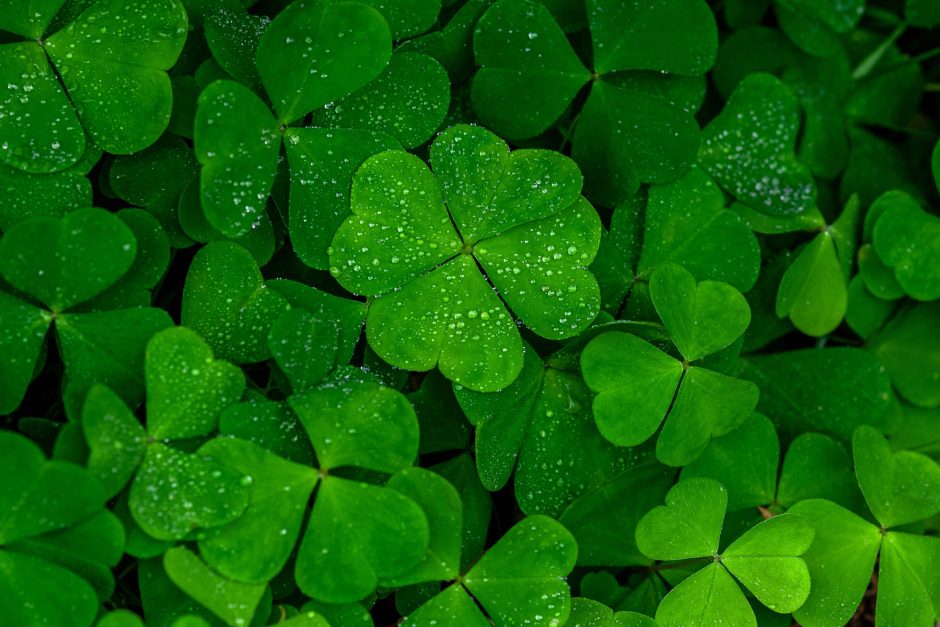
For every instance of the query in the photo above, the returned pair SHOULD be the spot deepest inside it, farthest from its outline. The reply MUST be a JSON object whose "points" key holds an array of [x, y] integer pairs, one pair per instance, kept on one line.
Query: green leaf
{"points": [[879, 279], [33, 590], [532, 61], [686, 223], [236, 142], [21, 341], [568, 298], [702, 318], [358, 535], [604, 521], [766, 560], [303, 346], [346, 314], [153, 249], [116, 440], [908, 240], [42, 495], [29, 20], [451, 605], [269, 424], [813, 291], [521, 578], [749, 148], [816, 466], [489, 190], [81, 254], [40, 133], [232, 601], [359, 424], [688, 525], [708, 597], [444, 510], [744, 461], [707, 404], [797, 391], [840, 562], [628, 136], [908, 349], [627, 372], [907, 580], [322, 164], [278, 495], [232, 35], [400, 218], [107, 347], [24, 195], [175, 493], [186, 386], [226, 301], [408, 100], [116, 77], [316, 52], [677, 36], [900, 487]]}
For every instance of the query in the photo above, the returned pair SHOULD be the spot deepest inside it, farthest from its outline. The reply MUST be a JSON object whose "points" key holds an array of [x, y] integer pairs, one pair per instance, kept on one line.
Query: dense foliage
{"points": [[469, 312]]}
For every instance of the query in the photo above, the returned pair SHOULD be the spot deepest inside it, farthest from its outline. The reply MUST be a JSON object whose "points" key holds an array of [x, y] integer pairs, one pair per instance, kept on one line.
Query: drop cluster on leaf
{"points": [[469, 313]]}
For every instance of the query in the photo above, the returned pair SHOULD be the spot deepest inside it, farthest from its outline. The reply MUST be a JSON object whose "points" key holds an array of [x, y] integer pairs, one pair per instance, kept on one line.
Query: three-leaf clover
{"points": [[765, 559], [68, 265], [636, 125], [54, 535], [173, 493], [637, 384], [452, 255], [103, 73], [900, 488]]}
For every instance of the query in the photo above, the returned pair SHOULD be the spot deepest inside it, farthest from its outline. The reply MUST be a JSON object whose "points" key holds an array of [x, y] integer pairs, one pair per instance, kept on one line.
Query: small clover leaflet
{"points": [[796, 390], [172, 493], [746, 462], [540, 432], [53, 526], [907, 239], [899, 487], [749, 148], [635, 126], [73, 265], [907, 348], [427, 245], [520, 579], [683, 222], [111, 60], [765, 559], [637, 385]]}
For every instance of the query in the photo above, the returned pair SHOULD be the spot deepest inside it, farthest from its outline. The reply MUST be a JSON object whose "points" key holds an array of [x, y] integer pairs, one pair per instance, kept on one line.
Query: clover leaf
{"points": [[842, 559], [518, 218], [633, 128], [540, 432], [908, 240], [111, 60], [746, 462], [908, 352], [521, 578], [795, 393], [312, 55], [172, 492], [766, 559], [43, 499], [637, 385], [64, 263], [749, 148]]}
